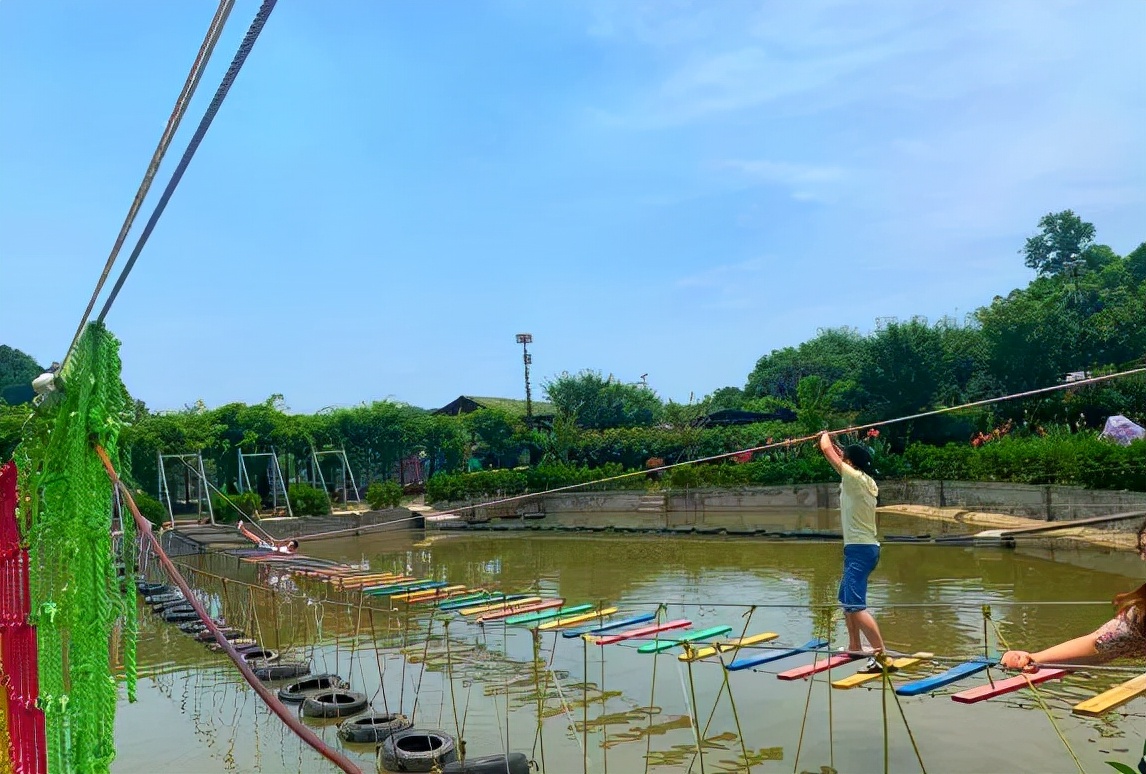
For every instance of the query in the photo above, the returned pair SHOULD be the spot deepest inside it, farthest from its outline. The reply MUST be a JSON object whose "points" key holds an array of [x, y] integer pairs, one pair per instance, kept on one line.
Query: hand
{"points": [[1019, 659]]}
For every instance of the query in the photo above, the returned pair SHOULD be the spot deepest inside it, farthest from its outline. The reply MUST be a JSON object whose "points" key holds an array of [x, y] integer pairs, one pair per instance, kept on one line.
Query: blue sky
{"points": [[394, 189]]}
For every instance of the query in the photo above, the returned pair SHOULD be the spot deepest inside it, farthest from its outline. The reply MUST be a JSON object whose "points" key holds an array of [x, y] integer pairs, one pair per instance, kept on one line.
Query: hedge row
{"points": [[1080, 459]]}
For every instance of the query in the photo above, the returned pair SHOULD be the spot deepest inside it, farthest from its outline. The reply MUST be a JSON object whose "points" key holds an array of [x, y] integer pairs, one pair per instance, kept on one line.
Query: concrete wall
{"points": [[757, 507]]}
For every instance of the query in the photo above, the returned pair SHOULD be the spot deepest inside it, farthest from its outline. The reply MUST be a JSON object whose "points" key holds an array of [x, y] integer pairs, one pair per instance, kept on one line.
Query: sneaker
{"points": [[874, 667]]}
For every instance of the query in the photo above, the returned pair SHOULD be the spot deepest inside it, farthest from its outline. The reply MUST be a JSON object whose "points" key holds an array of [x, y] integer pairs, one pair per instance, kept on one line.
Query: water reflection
{"points": [[567, 704]]}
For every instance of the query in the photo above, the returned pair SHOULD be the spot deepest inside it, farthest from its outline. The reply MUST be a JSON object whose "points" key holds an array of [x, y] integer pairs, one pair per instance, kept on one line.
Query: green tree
{"points": [[597, 403], [17, 370], [1063, 237], [832, 355], [495, 431]]}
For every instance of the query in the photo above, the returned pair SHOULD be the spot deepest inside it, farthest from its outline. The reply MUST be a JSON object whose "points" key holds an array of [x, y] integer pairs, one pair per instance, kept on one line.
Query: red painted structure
{"points": [[20, 681]]}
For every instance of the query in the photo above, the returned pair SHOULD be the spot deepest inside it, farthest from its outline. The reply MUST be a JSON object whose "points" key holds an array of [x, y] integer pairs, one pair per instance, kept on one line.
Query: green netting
{"points": [[66, 521]]}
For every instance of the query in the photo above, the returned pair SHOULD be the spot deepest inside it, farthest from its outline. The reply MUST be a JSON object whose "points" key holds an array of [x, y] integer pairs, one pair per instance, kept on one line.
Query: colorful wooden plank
{"points": [[499, 615], [1117, 696], [445, 596], [401, 588], [659, 646], [576, 619], [859, 678], [952, 675], [382, 582], [469, 600], [643, 631], [721, 647], [529, 618], [1000, 687], [415, 596], [764, 658], [595, 629], [497, 605], [362, 579], [817, 666]]}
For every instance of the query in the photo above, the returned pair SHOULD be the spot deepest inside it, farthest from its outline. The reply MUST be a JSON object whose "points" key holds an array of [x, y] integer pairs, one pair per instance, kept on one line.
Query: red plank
{"points": [[988, 691], [507, 612], [821, 665], [681, 623]]}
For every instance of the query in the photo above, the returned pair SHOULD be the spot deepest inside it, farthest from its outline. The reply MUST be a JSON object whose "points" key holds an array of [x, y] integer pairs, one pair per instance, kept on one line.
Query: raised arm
{"points": [[829, 450]]}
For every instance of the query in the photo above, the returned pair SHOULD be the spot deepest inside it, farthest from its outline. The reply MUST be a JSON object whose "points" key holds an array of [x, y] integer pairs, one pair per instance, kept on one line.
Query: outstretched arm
{"points": [[831, 452], [1080, 650], [250, 535]]}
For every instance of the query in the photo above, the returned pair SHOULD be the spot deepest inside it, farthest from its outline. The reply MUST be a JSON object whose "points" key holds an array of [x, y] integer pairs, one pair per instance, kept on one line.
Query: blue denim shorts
{"points": [[860, 559]]}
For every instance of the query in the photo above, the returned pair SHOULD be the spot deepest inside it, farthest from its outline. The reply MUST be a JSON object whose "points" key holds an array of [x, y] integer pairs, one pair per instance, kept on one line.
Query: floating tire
{"points": [[282, 670], [151, 589], [262, 655], [514, 763], [203, 635], [371, 727], [334, 704], [296, 693], [176, 610], [177, 616], [195, 627], [241, 644], [162, 599], [416, 750]]}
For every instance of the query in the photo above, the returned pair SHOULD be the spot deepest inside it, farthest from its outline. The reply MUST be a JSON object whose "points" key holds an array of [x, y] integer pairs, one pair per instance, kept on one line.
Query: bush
{"points": [[384, 494], [152, 510], [306, 500], [250, 503]]}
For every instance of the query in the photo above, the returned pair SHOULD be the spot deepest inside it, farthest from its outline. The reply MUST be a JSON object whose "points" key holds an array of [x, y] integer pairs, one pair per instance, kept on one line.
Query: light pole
{"points": [[525, 339]]}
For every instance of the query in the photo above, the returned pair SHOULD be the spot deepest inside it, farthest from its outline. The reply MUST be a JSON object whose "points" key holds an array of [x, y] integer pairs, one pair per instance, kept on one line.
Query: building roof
{"points": [[464, 404]]}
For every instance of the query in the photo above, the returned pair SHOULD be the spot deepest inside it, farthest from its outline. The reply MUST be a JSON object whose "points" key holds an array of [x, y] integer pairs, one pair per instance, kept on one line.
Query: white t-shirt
{"points": [[858, 493]]}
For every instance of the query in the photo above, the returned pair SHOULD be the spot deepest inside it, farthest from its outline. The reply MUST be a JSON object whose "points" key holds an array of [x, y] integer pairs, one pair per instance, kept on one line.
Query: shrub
{"points": [[250, 503], [152, 510], [384, 494], [306, 500]]}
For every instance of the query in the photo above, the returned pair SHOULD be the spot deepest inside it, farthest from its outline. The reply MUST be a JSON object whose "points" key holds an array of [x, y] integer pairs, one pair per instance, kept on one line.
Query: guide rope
{"points": [[214, 31]]}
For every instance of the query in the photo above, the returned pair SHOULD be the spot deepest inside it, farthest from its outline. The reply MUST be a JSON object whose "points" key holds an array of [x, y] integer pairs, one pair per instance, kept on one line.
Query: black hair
{"points": [[859, 457], [292, 543]]}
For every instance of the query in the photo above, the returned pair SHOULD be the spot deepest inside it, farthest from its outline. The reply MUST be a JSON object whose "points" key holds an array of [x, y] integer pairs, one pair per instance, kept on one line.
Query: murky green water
{"points": [[602, 708]]}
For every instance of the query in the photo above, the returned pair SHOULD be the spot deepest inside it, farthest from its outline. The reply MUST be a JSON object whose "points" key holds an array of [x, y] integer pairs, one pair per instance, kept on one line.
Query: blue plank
{"points": [[487, 599], [952, 675], [751, 661], [594, 629]]}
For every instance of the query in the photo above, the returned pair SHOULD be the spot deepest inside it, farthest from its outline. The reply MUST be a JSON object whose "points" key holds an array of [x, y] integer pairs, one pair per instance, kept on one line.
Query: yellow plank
{"points": [[489, 608], [359, 580], [710, 650], [851, 681], [576, 619], [417, 596], [386, 580], [1115, 697]]}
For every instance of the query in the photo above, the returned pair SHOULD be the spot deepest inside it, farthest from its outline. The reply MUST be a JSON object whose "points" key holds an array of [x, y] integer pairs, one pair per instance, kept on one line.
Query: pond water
{"points": [[612, 708]]}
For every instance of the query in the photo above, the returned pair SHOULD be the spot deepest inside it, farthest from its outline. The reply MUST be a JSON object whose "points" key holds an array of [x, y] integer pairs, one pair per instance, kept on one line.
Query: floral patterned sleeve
{"points": [[1122, 636]]}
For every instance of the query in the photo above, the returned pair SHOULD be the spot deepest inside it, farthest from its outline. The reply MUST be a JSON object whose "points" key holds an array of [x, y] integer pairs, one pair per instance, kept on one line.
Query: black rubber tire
{"points": [[241, 644], [514, 763], [416, 750], [195, 628], [262, 655], [371, 727], [175, 610], [162, 599], [296, 692], [282, 670], [151, 589], [203, 635], [334, 704], [179, 616]]}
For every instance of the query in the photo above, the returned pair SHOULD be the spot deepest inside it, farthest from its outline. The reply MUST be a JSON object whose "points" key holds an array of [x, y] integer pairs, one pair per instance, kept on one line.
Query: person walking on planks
{"points": [[858, 493], [289, 547]]}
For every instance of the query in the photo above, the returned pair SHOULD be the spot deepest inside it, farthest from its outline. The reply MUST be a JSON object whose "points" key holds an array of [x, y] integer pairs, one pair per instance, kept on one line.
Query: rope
{"points": [[754, 449], [216, 102], [902, 714], [661, 608], [725, 685], [176, 117], [1039, 698]]}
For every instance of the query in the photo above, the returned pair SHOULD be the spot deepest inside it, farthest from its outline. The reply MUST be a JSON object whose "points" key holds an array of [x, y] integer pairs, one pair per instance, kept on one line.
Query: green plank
{"points": [[661, 645], [542, 615]]}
